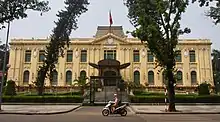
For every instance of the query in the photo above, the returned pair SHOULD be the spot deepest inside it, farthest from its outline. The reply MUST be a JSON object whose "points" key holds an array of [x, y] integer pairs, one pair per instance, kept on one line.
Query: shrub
{"points": [[43, 99], [179, 99], [10, 88], [203, 89], [138, 92]]}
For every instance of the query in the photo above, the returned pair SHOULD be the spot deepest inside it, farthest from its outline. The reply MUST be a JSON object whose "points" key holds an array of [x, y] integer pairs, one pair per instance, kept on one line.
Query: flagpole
{"points": [[110, 22]]}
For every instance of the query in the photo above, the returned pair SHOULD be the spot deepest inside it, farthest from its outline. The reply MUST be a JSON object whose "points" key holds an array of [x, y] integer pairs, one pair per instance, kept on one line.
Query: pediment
{"points": [[110, 39]]}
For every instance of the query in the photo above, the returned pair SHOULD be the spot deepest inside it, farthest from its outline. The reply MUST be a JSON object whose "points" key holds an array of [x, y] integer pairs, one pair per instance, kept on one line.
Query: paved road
{"points": [[93, 114]]}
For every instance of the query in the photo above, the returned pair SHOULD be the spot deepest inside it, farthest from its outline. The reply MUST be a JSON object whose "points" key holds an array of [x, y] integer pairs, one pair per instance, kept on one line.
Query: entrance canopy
{"points": [[109, 63]]}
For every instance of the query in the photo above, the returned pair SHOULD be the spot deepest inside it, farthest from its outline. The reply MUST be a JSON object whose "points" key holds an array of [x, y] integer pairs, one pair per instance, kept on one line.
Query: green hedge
{"points": [[57, 94], [179, 99], [42, 99]]}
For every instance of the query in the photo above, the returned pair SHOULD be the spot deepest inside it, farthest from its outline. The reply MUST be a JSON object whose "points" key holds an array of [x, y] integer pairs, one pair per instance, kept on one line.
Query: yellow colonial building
{"points": [[193, 62]]}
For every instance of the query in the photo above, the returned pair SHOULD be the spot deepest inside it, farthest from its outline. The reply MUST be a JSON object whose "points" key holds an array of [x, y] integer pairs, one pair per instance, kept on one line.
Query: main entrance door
{"points": [[109, 82]]}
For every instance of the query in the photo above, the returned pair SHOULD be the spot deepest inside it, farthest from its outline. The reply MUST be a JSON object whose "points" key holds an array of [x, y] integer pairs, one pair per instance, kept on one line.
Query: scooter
{"points": [[119, 110]]}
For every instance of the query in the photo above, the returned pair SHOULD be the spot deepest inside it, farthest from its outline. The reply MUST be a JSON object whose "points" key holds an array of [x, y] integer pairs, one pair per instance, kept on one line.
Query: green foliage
{"points": [[179, 99], [157, 24], [60, 37], [133, 86], [215, 60], [204, 88], [43, 99], [10, 89], [16, 9], [82, 83], [214, 11], [144, 93], [216, 69], [156, 28], [58, 94]]}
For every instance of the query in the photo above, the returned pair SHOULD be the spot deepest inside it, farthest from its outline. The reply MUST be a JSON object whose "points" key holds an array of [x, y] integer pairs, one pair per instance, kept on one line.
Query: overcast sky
{"points": [[37, 26]]}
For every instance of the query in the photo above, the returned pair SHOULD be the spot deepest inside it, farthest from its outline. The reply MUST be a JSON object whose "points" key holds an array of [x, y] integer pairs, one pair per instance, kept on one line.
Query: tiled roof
{"points": [[104, 30]]}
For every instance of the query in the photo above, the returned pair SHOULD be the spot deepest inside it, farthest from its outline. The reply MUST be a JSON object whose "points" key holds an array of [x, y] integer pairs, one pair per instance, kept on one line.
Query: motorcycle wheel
{"points": [[123, 112], [105, 112]]}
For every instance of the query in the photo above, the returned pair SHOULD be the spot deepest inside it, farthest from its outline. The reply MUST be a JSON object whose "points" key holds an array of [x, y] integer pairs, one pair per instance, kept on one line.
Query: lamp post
{"points": [[4, 65]]}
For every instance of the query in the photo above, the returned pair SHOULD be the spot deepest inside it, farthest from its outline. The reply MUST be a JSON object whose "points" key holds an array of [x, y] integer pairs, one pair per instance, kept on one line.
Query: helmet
{"points": [[115, 94]]}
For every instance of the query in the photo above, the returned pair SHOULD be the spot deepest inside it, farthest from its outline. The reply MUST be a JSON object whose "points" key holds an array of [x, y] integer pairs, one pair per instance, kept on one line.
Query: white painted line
{"points": [[131, 110]]}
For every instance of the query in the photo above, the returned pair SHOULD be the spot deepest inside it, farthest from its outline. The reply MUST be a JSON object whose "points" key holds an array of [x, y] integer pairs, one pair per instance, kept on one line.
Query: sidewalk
{"points": [[37, 109], [183, 109]]}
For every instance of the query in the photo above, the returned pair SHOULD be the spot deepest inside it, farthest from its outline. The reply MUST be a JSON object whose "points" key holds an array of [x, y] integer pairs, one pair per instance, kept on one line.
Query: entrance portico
{"points": [[109, 68], [109, 81]]}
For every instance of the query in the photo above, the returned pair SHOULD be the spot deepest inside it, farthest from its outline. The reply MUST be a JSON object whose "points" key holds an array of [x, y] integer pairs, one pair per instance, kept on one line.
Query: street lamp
{"points": [[4, 65]]}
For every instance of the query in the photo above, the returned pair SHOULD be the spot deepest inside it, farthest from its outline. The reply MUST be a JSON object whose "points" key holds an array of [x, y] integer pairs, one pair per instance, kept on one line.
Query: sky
{"points": [[36, 26]]}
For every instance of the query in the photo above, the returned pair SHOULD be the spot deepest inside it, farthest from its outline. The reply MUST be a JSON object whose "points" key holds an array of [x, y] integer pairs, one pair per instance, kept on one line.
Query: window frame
{"points": [[136, 55], [83, 56], [27, 56]]}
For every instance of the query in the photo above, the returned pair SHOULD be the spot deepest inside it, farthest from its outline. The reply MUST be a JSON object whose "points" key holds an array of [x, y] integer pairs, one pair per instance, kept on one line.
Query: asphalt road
{"points": [[93, 114]]}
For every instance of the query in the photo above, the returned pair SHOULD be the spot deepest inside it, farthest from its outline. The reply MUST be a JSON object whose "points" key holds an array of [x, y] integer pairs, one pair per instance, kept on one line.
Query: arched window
{"points": [[68, 77], [137, 77], [179, 77], [151, 78], [193, 78], [26, 77], [55, 78], [83, 74]]}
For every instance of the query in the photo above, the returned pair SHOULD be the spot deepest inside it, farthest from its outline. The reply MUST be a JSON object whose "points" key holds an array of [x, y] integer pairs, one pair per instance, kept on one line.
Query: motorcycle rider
{"points": [[115, 103]]}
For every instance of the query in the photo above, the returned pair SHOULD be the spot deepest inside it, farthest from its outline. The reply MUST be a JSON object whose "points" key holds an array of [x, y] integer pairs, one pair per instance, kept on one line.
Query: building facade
{"points": [[193, 61]]}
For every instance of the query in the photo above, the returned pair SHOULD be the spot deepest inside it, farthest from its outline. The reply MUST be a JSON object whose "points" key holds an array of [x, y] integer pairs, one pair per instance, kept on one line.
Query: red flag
{"points": [[110, 18]]}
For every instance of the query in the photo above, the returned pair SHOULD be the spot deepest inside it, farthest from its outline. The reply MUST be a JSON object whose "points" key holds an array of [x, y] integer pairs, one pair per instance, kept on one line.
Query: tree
{"points": [[10, 88], [16, 9], [2, 51], [214, 11], [81, 83], [60, 37], [157, 26], [215, 60], [216, 68]]}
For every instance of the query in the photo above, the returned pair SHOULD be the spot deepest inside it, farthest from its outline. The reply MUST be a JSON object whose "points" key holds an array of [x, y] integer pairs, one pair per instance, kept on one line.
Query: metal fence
{"points": [[103, 88]]}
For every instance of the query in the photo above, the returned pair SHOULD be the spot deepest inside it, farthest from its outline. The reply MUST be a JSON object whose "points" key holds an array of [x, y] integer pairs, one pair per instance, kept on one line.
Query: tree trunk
{"points": [[171, 90], [41, 79]]}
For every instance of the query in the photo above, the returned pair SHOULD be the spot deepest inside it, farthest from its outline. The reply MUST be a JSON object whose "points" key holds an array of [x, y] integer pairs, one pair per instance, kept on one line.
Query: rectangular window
{"points": [[110, 54], [150, 57], [192, 56], [69, 56], [179, 56], [136, 56], [28, 56], [83, 55], [41, 55]]}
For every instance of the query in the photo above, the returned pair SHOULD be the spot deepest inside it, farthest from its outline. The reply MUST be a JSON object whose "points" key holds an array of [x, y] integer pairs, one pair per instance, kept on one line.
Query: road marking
{"points": [[131, 110]]}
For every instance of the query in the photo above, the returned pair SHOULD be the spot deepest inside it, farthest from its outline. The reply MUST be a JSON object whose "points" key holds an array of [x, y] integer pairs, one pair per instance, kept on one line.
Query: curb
{"points": [[34, 113], [41, 103], [177, 112], [136, 112], [101, 104], [189, 104]]}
